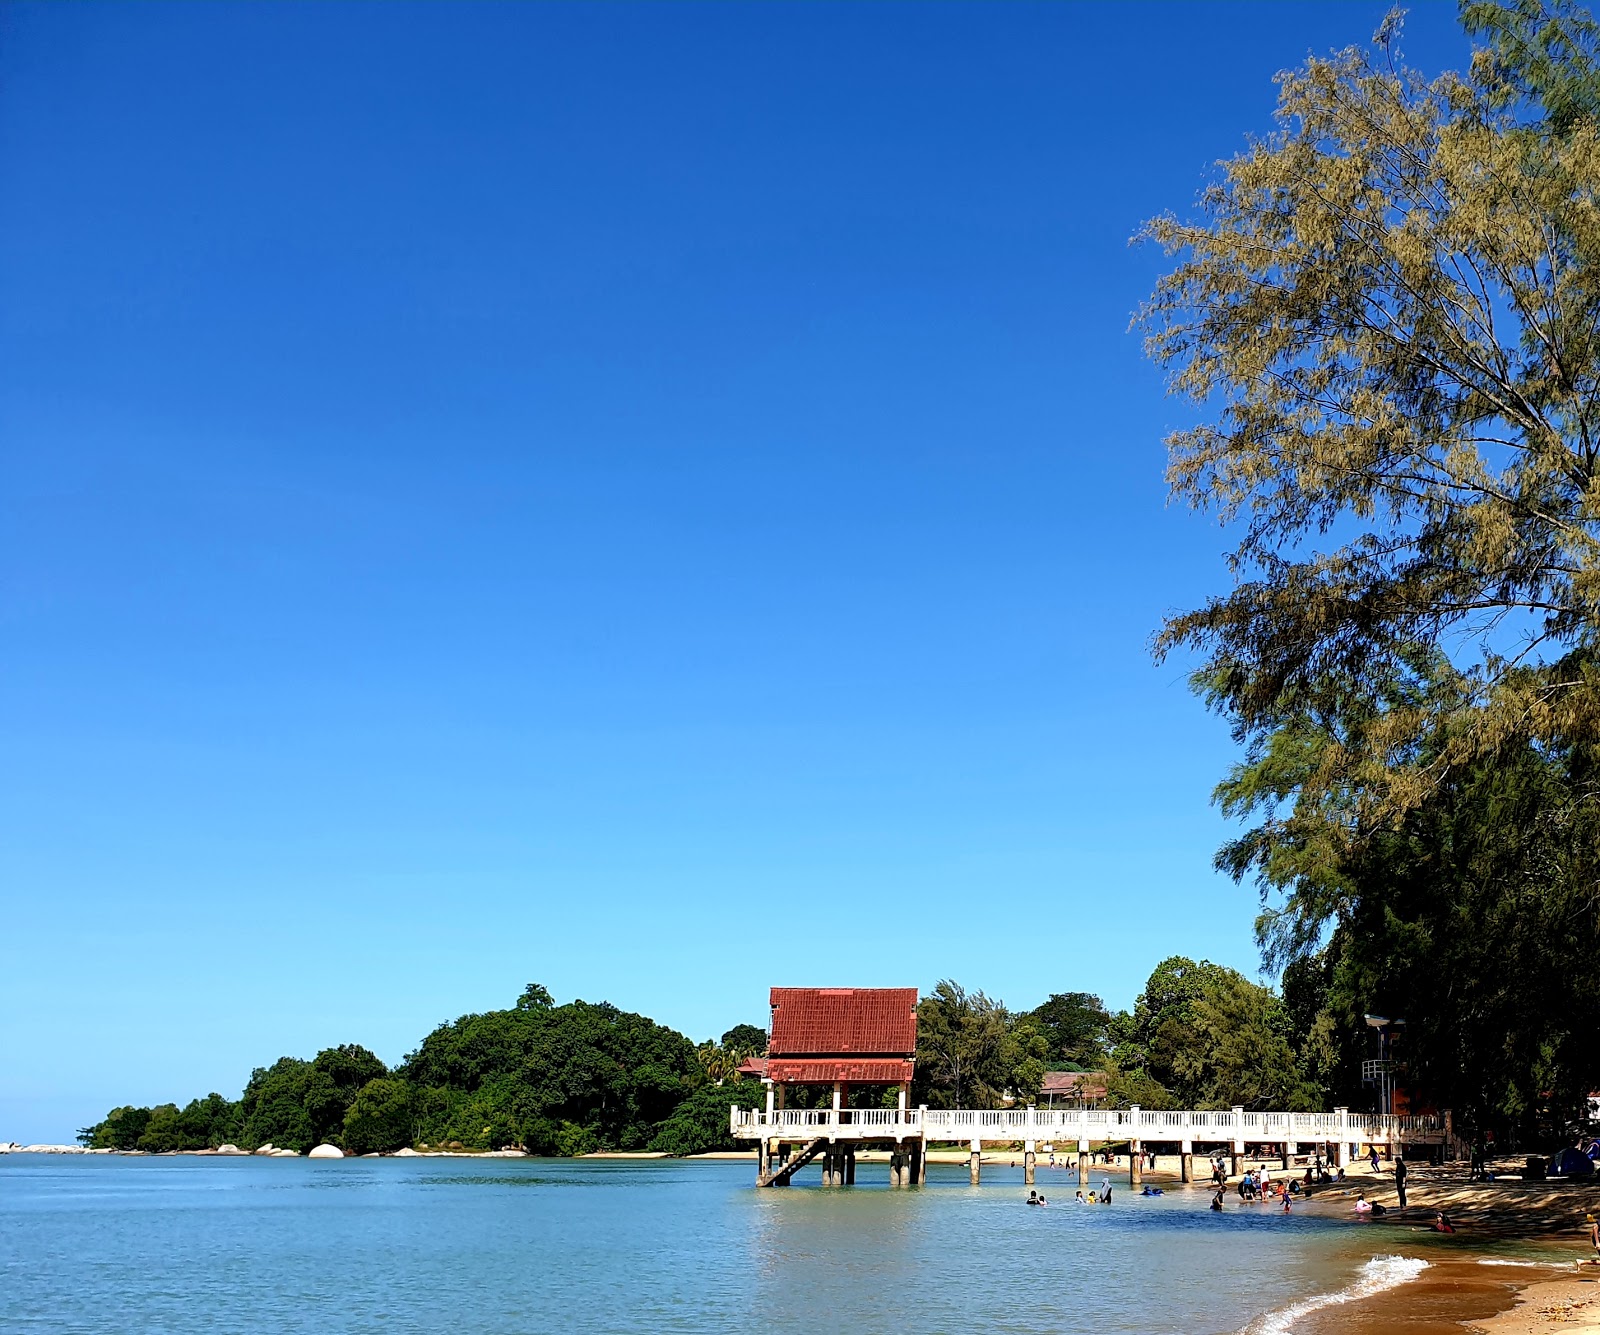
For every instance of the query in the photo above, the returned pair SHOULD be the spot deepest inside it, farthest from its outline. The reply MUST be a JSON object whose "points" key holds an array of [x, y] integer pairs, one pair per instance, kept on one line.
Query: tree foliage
{"points": [[1074, 1026], [1389, 314], [972, 1052], [1204, 1036], [699, 1124]]}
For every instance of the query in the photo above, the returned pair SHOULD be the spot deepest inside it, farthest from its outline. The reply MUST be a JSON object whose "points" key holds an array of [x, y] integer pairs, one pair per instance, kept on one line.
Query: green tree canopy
{"points": [[1074, 1025], [972, 1051], [1204, 1036], [1387, 312]]}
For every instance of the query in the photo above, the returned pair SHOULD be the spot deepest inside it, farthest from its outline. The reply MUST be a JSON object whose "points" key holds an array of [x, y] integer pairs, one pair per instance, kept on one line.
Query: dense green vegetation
{"points": [[565, 1080], [555, 1079]]}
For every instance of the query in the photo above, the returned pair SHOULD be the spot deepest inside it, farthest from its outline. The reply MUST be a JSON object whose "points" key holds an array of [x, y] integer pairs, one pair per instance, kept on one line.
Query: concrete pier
{"points": [[795, 1137]]}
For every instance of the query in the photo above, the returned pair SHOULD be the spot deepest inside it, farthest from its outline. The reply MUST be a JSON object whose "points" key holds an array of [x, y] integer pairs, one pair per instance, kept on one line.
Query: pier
{"points": [[848, 1036], [789, 1139]]}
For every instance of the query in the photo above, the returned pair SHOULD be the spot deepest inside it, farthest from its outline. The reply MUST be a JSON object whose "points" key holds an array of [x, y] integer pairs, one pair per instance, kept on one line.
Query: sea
{"points": [[501, 1246]]}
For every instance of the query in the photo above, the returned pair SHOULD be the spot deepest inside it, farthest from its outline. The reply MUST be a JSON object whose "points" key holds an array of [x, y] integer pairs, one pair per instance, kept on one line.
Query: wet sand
{"points": [[1517, 1264]]}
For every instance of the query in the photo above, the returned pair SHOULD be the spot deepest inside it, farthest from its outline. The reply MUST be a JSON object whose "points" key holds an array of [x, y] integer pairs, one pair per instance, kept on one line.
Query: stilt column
{"points": [[1135, 1162], [1027, 1162], [850, 1167], [1290, 1149], [975, 1161], [1186, 1161], [1083, 1163]]}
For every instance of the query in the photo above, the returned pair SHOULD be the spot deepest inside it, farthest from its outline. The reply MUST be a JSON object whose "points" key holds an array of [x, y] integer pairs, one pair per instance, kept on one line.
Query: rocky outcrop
{"points": [[326, 1152]]}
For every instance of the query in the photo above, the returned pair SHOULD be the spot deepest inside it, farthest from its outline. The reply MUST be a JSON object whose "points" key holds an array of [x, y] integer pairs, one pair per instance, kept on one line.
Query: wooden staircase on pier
{"points": [[779, 1177]]}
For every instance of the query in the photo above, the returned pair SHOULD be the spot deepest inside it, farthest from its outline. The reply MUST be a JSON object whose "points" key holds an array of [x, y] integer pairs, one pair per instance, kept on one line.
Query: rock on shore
{"points": [[326, 1152]]}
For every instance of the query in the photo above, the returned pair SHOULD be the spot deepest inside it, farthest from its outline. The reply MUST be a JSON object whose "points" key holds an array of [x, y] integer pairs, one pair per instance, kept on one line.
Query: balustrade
{"points": [[1049, 1124]]}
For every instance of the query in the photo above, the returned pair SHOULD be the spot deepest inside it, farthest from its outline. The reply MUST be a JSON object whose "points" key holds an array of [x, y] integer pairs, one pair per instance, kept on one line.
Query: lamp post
{"points": [[1385, 1027]]}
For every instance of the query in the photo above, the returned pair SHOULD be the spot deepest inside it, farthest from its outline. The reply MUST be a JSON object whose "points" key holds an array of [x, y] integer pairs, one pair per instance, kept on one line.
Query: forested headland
{"points": [[574, 1078]]}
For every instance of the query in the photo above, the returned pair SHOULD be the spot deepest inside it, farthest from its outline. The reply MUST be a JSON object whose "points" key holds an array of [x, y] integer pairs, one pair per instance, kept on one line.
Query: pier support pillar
{"points": [[850, 1167], [1135, 1162], [975, 1161], [1238, 1158], [1027, 1163], [897, 1166], [1186, 1162], [1083, 1163], [763, 1159], [919, 1163], [1290, 1149]]}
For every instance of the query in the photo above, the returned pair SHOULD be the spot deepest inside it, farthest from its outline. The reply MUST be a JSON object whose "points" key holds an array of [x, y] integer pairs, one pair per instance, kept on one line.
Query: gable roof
{"points": [[1074, 1084], [841, 1021]]}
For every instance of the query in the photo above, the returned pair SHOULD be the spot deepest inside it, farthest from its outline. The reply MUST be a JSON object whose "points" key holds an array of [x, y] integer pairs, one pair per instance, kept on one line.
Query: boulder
{"points": [[407, 1153], [265, 1149], [326, 1152], [285, 1154], [229, 1149]]}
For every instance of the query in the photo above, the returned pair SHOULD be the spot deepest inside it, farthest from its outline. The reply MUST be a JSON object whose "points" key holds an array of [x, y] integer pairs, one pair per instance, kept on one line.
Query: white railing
{"points": [[1051, 1124]]}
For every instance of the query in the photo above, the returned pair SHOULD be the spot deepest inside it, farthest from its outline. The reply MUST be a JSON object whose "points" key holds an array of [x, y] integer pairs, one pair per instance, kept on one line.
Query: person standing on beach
{"points": [[1400, 1179], [1594, 1239]]}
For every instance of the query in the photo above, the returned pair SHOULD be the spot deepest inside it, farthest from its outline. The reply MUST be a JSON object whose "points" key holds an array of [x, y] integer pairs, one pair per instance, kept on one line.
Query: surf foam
{"points": [[1378, 1274]]}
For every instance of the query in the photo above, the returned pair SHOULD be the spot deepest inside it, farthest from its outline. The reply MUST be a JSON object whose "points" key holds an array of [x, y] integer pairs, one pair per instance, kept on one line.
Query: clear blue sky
{"points": [[659, 501]]}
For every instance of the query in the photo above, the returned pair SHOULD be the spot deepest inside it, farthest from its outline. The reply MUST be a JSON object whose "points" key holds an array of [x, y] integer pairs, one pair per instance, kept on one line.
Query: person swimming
{"points": [[1033, 1198], [1441, 1222], [1216, 1201]]}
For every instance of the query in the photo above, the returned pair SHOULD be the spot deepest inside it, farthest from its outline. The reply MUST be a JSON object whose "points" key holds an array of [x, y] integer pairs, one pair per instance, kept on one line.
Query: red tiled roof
{"points": [[756, 1066], [1074, 1084], [835, 1021], [852, 1070]]}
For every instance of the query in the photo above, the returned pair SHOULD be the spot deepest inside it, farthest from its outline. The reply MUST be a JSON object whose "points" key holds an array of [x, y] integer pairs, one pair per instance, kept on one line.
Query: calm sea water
{"points": [[507, 1246]]}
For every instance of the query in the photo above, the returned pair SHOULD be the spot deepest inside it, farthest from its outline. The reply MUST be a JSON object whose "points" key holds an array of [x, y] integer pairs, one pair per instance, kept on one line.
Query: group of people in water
{"points": [[1102, 1197]]}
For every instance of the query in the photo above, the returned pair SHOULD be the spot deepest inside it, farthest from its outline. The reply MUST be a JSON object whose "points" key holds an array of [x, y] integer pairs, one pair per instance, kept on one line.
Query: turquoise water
{"points": [[185, 1244]]}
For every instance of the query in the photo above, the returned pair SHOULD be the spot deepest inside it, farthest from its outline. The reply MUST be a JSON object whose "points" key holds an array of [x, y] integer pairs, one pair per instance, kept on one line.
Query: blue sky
{"points": [[659, 500]]}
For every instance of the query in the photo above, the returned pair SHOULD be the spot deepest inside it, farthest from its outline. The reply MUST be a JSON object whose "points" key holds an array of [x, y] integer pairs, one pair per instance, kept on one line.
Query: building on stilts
{"points": [[839, 1039]]}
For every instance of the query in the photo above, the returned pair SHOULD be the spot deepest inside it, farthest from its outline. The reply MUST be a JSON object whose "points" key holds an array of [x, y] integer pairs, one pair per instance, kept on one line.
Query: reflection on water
{"points": [[399, 1245]]}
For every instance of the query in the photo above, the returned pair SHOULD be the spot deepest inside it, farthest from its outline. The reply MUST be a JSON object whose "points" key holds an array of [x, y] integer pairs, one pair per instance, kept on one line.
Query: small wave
{"points": [[1537, 1265], [1378, 1274]]}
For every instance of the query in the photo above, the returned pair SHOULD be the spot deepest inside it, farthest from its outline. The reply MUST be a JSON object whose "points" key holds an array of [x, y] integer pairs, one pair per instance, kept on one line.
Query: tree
{"points": [[746, 1038], [1473, 917], [700, 1123], [379, 1118], [120, 1129], [1204, 1036], [972, 1052], [580, 1074], [1074, 1025], [1388, 311]]}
